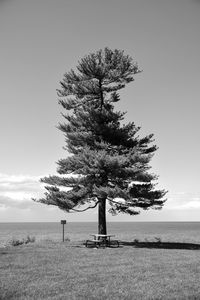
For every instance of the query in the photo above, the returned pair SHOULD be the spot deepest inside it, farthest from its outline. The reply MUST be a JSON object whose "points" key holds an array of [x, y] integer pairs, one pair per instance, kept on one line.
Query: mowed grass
{"points": [[55, 270]]}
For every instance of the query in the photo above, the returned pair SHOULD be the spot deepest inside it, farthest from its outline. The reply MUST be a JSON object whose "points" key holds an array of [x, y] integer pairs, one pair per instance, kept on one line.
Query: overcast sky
{"points": [[42, 39]]}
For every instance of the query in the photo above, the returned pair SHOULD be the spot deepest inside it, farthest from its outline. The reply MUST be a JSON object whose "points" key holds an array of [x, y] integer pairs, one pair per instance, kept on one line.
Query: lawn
{"points": [[55, 270]]}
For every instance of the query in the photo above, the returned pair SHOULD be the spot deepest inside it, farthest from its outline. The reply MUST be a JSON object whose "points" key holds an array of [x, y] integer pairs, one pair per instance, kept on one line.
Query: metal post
{"points": [[63, 222], [63, 233]]}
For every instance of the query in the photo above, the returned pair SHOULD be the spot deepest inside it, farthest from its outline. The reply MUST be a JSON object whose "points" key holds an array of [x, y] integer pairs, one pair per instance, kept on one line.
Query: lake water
{"points": [[125, 231]]}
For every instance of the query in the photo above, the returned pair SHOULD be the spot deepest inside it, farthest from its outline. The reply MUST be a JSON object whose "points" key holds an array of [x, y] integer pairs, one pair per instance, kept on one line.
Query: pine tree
{"points": [[107, 161]]}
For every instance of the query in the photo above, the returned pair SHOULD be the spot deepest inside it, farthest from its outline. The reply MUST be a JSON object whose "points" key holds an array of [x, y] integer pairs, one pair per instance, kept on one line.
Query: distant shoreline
{"points": [[107, 222]]}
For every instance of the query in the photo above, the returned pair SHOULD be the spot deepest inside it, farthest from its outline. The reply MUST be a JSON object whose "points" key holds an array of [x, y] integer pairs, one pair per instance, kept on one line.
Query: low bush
{"points": [[158, 239], [17, 242], [136, 241]]}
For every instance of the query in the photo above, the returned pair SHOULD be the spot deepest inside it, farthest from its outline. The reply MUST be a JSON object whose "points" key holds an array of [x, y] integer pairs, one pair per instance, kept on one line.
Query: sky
{"points": [[42, 39]]}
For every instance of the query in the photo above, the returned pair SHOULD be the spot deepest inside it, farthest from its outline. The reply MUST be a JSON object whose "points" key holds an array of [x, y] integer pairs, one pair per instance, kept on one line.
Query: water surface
{"points": [[127, 231]]}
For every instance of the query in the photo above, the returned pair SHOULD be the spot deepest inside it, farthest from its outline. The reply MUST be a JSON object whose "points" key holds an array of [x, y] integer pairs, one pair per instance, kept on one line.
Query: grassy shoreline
{"points": [[53, 270]]}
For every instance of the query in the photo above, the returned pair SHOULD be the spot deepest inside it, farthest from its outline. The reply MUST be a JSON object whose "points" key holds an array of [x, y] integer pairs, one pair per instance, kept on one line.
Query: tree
{"points": [[107, 161]]}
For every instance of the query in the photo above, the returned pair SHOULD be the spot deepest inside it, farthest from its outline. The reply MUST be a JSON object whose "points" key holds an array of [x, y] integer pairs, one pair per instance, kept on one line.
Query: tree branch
{"points": [[89, 207], [101, 94], [123, 204]]}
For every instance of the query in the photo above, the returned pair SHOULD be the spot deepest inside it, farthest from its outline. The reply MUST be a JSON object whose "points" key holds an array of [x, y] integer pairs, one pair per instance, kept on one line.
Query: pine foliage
{"points": [[106, 159]]}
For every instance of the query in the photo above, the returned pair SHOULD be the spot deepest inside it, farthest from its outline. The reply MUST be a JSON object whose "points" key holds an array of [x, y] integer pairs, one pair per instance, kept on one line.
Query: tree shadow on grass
{"points": [[138, 244], [161, 245]]}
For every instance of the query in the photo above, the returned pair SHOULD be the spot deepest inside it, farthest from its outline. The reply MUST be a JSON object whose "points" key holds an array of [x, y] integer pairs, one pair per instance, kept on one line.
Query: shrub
{"points": [[67, 239], [17, 242], [158, 240], [136, 241], [29, 239]]}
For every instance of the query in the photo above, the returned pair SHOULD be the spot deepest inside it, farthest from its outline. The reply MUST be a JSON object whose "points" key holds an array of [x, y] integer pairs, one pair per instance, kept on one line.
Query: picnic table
{"points": [[102, 240]]}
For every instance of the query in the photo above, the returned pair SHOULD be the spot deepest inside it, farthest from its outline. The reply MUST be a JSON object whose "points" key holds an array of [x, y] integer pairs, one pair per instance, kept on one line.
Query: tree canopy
{"points": [[106, 159]]}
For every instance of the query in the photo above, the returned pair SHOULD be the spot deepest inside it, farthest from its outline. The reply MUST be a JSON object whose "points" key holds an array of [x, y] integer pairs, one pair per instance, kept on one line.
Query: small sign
{"points": [[63, 222]]}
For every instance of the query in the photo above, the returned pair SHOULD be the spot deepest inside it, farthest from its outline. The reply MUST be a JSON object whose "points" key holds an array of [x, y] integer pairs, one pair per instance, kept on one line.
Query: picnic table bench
{"points": [[103, 240]]}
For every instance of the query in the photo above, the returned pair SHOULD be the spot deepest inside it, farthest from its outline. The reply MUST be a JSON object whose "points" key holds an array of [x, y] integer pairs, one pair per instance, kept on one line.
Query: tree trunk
{"points": [[102, 216]]}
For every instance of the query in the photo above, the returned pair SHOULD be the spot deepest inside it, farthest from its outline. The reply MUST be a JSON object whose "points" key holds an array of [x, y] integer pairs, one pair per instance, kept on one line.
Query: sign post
{"points": [[63, 222]]}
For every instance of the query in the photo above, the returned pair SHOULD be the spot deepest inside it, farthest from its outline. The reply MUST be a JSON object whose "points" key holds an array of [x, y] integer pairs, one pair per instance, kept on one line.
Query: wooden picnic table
{"points": [[102, 239]]}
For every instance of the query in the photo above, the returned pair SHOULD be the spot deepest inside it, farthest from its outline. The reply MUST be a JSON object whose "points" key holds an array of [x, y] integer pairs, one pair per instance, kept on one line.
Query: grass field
{"points": [[55, 270]]}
